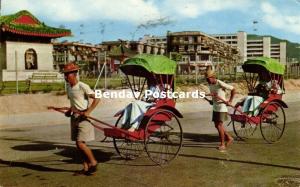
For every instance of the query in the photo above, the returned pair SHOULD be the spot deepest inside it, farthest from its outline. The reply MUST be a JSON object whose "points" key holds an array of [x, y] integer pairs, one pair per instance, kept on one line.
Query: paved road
{"points": [[43, 155], [194, 113], [43, 130]]}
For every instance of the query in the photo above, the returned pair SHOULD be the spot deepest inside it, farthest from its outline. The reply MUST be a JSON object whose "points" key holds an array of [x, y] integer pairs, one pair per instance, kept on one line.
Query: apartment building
{"points": [[137, 47], [200, 49], [86, 55], [251, 48], [151, 39], [238, 40]]}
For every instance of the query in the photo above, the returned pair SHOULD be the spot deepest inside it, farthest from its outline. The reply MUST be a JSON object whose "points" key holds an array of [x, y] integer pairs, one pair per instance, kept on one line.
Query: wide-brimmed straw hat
{"points": [[70, 67], [210, 73]]}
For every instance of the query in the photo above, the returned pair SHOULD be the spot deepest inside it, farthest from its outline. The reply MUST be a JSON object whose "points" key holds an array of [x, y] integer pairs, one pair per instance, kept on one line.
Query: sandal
{"points": [[230, 141], [80, 172], [222, 148], [92, 170]]}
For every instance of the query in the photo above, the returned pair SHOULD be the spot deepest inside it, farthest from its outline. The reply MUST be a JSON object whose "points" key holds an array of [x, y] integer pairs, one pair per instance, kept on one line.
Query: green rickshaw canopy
{"points": [[157, 64], [270, 64]]}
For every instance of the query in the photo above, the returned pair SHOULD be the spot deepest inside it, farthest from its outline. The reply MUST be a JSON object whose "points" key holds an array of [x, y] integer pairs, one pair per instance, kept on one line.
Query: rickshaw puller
{"points": [[82, 130], [217, 88]]}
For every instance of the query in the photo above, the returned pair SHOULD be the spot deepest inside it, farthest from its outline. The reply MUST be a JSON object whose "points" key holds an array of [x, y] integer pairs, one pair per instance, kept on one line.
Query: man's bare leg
{"points": [[220, 128], [229, 138], [84, 163], [87, 152]]}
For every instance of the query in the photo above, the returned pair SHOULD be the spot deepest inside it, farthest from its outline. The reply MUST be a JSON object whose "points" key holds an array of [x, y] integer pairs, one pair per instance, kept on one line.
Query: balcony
{"points": [[254, 53], [254, 44]]}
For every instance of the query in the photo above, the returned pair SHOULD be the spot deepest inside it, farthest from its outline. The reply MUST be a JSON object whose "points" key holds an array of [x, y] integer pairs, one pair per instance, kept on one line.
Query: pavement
{"points": [[35, 150], [45, 156], [196, 113]]}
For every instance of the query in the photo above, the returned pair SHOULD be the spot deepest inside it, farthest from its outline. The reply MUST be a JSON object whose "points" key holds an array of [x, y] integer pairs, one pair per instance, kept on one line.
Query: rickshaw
{"points": [[159, 132], [271, 116]]}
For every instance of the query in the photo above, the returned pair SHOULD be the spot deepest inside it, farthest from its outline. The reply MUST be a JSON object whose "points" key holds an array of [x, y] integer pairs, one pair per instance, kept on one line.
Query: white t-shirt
{"points": [[78, 95], [219, 89]]}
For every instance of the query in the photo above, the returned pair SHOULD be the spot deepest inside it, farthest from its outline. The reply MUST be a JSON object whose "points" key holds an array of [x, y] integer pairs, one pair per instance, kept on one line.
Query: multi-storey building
{"points": [[238, 40], [250, 48], [138, 47], [85, 55], [151, 39], [199, 49]]}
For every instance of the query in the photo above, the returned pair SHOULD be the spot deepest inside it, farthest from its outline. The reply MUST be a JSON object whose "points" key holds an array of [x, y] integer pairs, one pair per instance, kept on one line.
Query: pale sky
{"points": [[97, 20]]}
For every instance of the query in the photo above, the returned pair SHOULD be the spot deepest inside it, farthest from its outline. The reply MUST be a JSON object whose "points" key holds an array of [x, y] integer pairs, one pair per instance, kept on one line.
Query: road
{"points": [[44, 156]]}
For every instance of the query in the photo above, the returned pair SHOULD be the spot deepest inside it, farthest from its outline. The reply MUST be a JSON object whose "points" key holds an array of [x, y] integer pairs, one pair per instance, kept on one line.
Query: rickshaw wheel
{"points": [[163, 137], [243, 130], [272, 122], [126, 148]]}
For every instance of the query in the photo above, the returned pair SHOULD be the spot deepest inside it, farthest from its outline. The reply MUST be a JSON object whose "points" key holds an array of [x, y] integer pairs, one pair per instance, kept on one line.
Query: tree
{"points": [[175, 56]]}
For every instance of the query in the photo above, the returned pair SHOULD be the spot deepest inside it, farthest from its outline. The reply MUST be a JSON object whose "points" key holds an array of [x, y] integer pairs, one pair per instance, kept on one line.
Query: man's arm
{"points": [[232, 93], [93, 105], [228, 87]]}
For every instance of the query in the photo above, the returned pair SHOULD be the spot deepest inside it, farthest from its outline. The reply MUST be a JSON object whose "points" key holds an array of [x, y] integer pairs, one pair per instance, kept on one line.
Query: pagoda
{"points": [[25, 46]]}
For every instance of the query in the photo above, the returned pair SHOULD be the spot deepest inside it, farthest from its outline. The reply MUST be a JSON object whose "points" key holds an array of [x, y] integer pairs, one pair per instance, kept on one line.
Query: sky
{"points": [[94, 21]]}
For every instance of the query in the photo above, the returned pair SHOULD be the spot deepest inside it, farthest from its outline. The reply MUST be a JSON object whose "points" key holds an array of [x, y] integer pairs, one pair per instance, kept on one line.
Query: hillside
{"points": [[292, 49]]}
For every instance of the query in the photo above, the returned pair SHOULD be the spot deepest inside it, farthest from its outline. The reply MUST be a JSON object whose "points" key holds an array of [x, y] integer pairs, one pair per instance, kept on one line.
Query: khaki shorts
{"points": [[219, 116], [81, 129]]}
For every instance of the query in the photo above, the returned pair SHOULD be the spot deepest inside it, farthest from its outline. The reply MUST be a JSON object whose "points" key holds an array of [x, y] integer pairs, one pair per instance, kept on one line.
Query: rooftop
{"points": [[24, 23]]}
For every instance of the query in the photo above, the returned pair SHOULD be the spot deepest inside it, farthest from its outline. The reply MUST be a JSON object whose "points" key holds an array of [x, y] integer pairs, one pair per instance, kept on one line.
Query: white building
{"points": [[26, 46], [250, 48]]}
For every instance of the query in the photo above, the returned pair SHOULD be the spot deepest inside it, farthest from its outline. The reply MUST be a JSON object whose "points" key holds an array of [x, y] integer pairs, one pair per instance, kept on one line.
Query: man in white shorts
{"points": [[82, 130]]}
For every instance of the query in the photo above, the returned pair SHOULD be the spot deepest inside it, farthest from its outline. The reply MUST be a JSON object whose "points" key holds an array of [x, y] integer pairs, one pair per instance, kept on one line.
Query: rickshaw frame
{"points": [[160, 126], [270, 110]]}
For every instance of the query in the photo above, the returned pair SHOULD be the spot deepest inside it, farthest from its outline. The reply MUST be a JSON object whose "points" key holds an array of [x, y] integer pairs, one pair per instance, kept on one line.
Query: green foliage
{"points": [[10, 87], [47, 89], [176, 56]]}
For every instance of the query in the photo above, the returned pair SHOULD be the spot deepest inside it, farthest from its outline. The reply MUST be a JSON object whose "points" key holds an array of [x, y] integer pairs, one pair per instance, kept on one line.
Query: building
{"points": [[251, 48], [86, 55], [118, 51], [139, 47], [26, 46], [200, 50], [238, 40], [151, 39]]}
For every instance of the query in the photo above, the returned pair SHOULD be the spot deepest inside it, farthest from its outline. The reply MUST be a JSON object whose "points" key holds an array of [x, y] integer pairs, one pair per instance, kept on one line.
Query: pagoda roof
{"points": [[24, 23]]}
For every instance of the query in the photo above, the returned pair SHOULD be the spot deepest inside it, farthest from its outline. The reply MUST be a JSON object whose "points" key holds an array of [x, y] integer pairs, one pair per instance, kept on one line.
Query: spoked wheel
{"points": [[243, 130], [163, 137], [126, 148], [272, 122]]}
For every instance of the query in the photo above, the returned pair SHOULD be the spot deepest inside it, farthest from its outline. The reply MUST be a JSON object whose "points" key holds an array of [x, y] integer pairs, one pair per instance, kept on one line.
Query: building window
{"points": [[193, 58], [204, 57], [175, 48], [30, 59], [186, 47], [185, 58], [190, 48]]}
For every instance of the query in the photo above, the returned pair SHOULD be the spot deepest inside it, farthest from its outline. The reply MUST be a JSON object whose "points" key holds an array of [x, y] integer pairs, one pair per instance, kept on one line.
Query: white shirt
{"points": [[219, 89], [78, 95]]}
